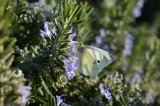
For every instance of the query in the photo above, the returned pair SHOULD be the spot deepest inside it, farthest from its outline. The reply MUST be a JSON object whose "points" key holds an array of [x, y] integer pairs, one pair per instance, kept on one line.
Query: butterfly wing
{"points": [[86, 63], [102, 57]]}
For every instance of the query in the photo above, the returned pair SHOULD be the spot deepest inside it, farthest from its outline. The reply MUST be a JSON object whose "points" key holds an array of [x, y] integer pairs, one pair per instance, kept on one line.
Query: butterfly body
{"points": [[92, 60]]}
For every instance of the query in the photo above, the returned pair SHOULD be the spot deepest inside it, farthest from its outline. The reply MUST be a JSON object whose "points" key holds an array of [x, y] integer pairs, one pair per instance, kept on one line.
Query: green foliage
{"points": [[10, 77], [132, 79]]}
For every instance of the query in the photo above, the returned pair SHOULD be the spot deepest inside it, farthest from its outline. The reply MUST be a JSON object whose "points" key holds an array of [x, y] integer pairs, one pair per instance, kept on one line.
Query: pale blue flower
{"points": [[102, 32], [71, 36], [106, 47], [40, 3], [24, 91], [137, 11], [31, 5], [46, 31], [46, 12], [105, 91], [70, 74], [73, 45], [140, 3], [137, 76], [108, 94], [70, 66], [70, 31], [149, 98], [128, 45], [60, 101], [64, 104], [99, 38], [54, 29], [126, 52], [73, 56]]}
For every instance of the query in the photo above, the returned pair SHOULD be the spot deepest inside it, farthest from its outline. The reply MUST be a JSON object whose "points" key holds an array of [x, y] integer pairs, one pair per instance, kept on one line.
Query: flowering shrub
{"points": [[39, 47]]}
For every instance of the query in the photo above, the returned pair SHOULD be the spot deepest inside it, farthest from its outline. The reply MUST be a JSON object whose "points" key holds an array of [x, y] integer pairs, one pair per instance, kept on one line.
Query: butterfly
{"points": [[92, 60]]}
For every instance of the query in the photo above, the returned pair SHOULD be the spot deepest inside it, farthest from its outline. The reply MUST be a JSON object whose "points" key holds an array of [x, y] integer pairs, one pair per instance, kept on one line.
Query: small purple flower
{"points": [[70, 75], [72, 36], [40, 3], [98, 40], [60, 101], [70, 66], [140, 3], [126, 52], [64, 104], [46, 12], [108, 94], [31, 5], [54, 29], [136, 12], [102, 32], [106, 47], [46, 28], [73, 45], [100, 37], [137, 76], [46, 31], [73, 57], [149, 98], [71, 30], [137, 9], [24, 91], [128, 45], [105, 91]]}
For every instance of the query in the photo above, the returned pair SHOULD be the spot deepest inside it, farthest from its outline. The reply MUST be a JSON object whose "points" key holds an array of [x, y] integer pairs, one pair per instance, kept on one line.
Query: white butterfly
{"points": [[92, 60]]}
